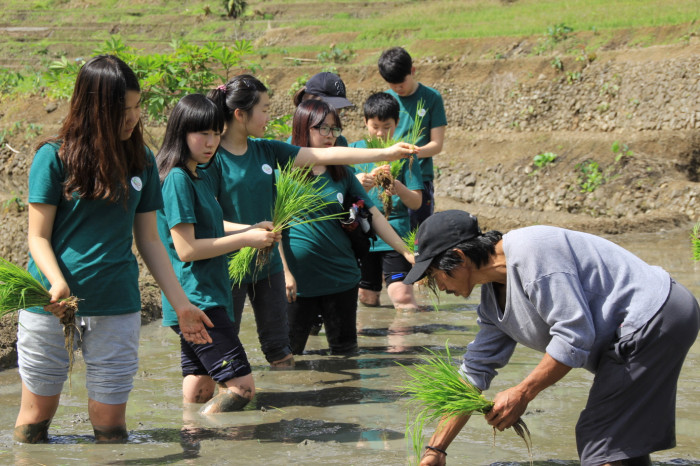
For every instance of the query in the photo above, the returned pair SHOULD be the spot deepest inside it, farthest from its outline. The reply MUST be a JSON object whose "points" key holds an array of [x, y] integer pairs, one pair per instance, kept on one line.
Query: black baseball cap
{"points": [[438, 233], [329, 87]]}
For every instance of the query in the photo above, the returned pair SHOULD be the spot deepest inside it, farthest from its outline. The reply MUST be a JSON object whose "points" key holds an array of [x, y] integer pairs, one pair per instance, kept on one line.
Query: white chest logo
{"points": [[137, 183], [340, 197], [267, 169]]}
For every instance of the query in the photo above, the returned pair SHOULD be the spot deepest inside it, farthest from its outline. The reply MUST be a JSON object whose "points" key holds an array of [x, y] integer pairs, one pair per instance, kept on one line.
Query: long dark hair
{"points": [[311, 114], [193, 113], [241, 92], [98, 164]]}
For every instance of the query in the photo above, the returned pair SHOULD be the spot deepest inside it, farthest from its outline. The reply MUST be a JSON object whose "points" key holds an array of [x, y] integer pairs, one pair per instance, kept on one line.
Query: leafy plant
{"points": [[336, 55], [438, 390], [622, 150], [299, 200], [590, 177], [235, 8], [695, 242], [544, 159], [279, 128]]}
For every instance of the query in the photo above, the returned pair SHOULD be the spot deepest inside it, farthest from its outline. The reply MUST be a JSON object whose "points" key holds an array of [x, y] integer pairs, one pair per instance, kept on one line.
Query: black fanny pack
{"points": [[357, 223]]}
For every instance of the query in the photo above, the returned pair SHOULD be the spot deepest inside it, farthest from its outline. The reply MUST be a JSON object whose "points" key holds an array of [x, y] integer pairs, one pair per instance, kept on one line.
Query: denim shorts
{"points": [[109, 346]]}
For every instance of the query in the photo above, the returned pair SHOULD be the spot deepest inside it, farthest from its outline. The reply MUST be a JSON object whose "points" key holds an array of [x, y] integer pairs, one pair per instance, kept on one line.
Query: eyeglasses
{"points": [[325, 130]]}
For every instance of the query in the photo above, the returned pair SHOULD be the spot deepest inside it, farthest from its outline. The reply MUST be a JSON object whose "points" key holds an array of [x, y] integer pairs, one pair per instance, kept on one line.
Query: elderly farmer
{"points": [[582, 301]]}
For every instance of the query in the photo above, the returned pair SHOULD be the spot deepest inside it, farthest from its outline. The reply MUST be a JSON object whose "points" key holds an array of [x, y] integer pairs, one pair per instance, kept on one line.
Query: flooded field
{"points": [[337, 410]]}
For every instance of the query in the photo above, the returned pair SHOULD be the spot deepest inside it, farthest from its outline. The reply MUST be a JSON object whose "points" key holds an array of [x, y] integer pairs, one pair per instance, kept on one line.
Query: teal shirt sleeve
{"points": [[46, 176], [151, 196]]}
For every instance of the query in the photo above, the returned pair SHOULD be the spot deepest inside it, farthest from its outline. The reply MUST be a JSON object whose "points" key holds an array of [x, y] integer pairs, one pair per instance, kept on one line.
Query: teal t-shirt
{"points": [[398, 219], [319, 254], [339, 142], [434, 117], [204, 281], [245, 186], [92, 239]]}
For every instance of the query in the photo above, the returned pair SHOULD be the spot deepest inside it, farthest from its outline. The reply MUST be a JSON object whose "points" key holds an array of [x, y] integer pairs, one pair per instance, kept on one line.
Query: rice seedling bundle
{"points": [[299, 197], [695, 241], [20, 290], [438, 391]]}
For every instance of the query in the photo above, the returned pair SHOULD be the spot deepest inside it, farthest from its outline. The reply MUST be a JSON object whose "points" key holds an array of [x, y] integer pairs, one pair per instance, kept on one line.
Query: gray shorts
{"points": [[631, 409], [109, 346]]}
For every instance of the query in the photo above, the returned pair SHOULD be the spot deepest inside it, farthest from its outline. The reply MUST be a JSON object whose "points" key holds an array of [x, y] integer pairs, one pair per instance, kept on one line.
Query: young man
{"points": [[584, 302], [396, 67], [381, 113]]}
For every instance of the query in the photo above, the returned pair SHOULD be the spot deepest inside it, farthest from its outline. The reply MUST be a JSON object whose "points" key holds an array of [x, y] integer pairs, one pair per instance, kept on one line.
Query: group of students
{"points": [[96, 188]]}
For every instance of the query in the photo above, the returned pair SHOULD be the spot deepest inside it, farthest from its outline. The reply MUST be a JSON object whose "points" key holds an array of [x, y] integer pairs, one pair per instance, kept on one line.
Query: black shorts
{"points": [[390, 265], [631, 408], [223, 359]]}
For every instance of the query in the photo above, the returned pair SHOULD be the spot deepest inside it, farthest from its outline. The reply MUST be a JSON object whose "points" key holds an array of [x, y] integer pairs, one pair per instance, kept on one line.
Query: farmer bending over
{"points": [[584, 302]]}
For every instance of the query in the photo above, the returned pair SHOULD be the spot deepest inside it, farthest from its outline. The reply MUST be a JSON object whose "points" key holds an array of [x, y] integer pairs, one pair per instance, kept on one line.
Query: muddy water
{"points": [[334, 410]]}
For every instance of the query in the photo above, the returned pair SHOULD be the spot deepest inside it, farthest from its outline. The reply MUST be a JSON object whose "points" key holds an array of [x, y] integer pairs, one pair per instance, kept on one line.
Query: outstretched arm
{"points": [[351, 155]]}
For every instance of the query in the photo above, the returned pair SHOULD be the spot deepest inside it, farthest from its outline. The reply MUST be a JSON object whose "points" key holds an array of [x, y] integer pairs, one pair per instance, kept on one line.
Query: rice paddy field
{"points": [[346, 411]]}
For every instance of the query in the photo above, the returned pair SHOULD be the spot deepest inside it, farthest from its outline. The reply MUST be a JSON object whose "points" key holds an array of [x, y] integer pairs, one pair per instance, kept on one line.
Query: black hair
{"points": [[382, 106], [241, 92], [193, 113], [478, 250], [395, 64]]}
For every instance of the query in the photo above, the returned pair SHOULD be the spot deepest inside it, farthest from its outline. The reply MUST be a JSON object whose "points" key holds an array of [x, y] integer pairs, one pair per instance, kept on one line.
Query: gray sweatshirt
{"points": [[567, 294]]}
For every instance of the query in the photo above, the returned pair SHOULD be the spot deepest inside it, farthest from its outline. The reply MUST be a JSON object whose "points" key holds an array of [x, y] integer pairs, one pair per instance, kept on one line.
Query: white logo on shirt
{"points": [[137, 183], [267, 169], [340, 197]]}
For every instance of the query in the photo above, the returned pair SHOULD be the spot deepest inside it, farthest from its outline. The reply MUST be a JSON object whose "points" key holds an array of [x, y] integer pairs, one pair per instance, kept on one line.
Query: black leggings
{"points": [[339, 312]]}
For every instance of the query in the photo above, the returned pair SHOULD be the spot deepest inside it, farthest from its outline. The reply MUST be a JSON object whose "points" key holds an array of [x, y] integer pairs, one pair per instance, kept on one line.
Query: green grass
{"points": [[415, 25]]}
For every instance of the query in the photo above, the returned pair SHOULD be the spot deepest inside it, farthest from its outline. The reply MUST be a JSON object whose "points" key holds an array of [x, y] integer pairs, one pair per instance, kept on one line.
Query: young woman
{"points": [[243, 171], [191, 226], [93, 190], [322, 274]]}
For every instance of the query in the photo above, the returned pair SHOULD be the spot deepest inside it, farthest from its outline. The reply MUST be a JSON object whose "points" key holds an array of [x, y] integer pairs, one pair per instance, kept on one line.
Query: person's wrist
{"points": [[438, 450]]}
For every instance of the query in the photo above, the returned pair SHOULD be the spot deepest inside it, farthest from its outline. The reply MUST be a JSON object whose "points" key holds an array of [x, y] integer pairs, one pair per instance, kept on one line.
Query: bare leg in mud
{"points": [[34, 418], [108, 422], [233, 395]]}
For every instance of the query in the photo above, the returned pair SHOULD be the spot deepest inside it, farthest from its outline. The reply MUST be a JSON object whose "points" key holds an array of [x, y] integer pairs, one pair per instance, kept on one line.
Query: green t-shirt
{"points": [[205, 281], [339, 142], [245, 186], [434, 117], [398, 219], [319, 254], [92, 239]]}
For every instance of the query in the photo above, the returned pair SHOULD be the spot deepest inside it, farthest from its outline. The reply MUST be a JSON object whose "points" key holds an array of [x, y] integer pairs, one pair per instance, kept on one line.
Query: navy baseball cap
{"points": [[329, 87], [438, 233]]}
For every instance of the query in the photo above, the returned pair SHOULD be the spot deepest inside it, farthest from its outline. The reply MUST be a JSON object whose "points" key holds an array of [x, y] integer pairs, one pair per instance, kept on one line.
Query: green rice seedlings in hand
{"points": [[20, 290], [416, 130], [695, 241], [299, 196], [439, 391]]}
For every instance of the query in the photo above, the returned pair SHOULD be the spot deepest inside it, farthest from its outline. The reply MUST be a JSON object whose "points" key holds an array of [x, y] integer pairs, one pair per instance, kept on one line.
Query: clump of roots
{"points": [[385, 181], [69, 330]]}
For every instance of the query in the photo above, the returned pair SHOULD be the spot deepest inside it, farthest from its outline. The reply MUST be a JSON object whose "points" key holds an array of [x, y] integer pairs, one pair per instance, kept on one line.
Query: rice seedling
{"points": [[440, 392], [299, 200], [416, 130], [20, 290], [410, 240], [695, 241]]}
